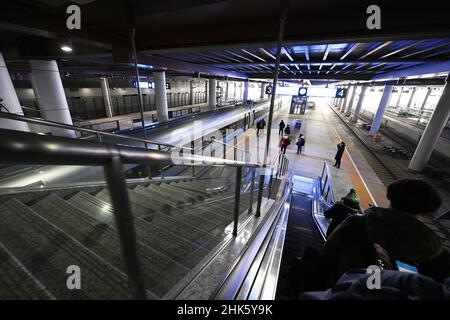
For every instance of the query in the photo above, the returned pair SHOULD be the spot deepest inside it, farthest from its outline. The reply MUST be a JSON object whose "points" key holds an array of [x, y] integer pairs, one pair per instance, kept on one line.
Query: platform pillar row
{"points": [[432, 132], [348, 112], [106, 97], [212, 94]]}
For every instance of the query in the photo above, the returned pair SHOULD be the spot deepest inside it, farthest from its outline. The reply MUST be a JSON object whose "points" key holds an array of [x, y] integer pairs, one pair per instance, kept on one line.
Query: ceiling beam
{"points": [[125, 57], [295, 62]]}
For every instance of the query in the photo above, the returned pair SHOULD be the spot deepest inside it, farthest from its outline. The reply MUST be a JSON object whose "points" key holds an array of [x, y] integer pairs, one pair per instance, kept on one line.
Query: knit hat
{"points": [[351, 200]]}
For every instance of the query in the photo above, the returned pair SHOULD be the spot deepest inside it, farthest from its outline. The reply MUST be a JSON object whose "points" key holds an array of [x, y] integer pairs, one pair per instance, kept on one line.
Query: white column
{"points": [[348, 112], [162, 112], [245, 97], [212, 94], [347, 98], [432, 131], [398, 98], [10, 100], [35, 91], [263, 90], [376, 123], [52, 96], [106, 97], [411, 97], [359, 104]]}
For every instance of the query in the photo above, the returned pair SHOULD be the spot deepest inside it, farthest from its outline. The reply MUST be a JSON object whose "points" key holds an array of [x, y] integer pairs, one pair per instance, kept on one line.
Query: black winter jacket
{"points": [[403, 236]]}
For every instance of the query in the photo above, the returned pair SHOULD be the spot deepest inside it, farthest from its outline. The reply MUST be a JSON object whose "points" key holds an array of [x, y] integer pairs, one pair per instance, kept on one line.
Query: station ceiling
{"points": [[323, 39]]}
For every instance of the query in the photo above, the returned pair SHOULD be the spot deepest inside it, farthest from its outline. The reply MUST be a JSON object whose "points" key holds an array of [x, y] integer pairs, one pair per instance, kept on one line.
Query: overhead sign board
{"points": [[318, 92], [144, 85]]}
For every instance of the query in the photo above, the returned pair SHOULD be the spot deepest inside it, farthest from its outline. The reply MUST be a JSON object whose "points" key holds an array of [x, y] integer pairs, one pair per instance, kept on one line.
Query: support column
{"points": [[347, 98], [245, 97], [35, 91], [432, 131], [348, 112], [359, 104], [49, 86], [376, 123], [411, 97], [263, 90], [106, 97], [159, 78], [226, 91], [10, 100], [212, 94], [429, 90], [399, 97], [191, 92]]}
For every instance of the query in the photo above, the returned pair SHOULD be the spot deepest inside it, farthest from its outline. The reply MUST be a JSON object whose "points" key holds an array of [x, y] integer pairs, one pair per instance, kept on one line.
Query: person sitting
{"points": [[396, 229], [341, 210]]}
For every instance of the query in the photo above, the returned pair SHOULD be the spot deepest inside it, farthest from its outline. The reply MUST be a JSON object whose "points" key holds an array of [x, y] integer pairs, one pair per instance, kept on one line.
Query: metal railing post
{"points": [[252, 190], [235, 148], [99, 137], [237, 199], [125, 225], [260, 193], [224, 148]]}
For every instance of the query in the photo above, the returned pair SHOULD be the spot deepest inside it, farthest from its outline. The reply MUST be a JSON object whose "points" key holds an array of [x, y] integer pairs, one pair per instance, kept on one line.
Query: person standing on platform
{"points": [[287, 130], [259, 125], [263, 124], [300, 143], [284, 142], [339, 154], [281, 125]]}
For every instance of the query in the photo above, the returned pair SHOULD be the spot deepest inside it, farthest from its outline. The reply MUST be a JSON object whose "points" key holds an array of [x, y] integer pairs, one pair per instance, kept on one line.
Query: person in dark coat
{"points": [[260, 126], [397, 230], [339, 154], [284, 142], [341, 210], [300, 143], [281, 125], [287, 130]]}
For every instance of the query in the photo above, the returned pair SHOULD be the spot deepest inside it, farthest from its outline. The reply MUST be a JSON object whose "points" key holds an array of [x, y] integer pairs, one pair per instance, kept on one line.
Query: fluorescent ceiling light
{"points": [[66, 48]]}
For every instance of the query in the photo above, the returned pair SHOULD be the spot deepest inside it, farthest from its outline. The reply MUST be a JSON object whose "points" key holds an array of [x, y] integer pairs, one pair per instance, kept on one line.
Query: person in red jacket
{"points": [[284, 142]]}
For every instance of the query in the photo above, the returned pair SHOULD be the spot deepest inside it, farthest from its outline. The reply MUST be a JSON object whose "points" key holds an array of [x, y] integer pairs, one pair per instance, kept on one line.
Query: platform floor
{"points": [[322, 133]]}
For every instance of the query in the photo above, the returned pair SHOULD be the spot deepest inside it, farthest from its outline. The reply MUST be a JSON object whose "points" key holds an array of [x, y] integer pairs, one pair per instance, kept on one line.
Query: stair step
{"points": [[174, 246], [160, 272], [16, 281], [47, 252]]}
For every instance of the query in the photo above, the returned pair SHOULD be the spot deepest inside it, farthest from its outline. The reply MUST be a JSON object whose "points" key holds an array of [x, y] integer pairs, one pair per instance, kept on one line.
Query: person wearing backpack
{"points": [[284, 142], [300, 143], [397, 230], [341, 210]]}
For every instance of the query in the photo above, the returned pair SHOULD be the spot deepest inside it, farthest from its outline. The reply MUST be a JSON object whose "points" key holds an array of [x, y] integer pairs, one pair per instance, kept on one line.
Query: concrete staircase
{"points": [[177, 225]]}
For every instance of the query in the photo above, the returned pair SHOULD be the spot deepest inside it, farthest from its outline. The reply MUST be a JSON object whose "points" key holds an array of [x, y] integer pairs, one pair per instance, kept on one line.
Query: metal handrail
{"points": [[230, 145], [330, 189], [80, 129]]}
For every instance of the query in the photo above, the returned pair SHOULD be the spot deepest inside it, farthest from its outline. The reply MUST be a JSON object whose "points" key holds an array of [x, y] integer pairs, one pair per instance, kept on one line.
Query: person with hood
{"points": [[281, 125], [339, 154], [341, 210], [397, 230], [287, 130], [260, 126]]}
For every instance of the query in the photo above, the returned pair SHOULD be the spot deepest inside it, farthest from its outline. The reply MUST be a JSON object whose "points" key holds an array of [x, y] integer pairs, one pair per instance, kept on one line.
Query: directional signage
{"points": [[340, 93], [269, 90], [319, 92]]}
